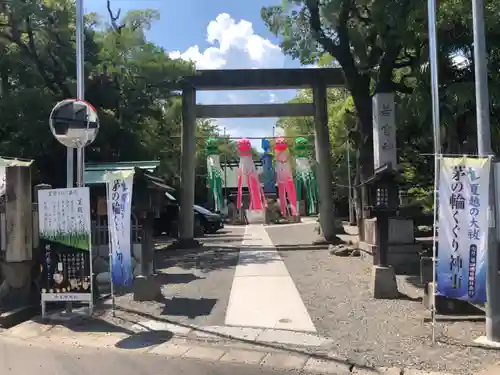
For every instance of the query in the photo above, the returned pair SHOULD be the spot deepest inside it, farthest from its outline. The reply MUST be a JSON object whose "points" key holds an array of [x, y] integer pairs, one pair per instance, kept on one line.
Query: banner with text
{"points": [[463, 228], [119, 199], [65, 244]]}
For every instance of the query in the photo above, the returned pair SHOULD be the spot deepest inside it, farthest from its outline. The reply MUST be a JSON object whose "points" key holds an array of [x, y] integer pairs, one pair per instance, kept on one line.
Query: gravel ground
{"points": [[195, 284], [374, 332]]}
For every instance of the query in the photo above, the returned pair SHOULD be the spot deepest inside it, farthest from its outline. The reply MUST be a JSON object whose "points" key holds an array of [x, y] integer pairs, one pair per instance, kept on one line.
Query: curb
{"points": [[10, 318], [165, 344], [182, 348]]}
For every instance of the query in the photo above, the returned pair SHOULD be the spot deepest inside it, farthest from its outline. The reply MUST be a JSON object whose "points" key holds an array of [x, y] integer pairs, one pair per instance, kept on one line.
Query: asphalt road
{"points": [[18, 358]]}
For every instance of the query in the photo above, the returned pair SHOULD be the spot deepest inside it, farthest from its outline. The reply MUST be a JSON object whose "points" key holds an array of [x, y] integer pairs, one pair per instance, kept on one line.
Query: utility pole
{"points": [[484, 149], [80, 86], [225, 171]]}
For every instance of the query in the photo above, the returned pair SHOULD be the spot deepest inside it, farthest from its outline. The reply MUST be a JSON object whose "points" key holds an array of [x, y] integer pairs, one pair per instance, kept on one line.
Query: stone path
{"points": [[263, 294]]}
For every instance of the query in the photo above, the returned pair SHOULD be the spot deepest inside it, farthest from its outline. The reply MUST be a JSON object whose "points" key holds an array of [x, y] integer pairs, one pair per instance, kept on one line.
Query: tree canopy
{"points": [[383, 46], [130, 81]]}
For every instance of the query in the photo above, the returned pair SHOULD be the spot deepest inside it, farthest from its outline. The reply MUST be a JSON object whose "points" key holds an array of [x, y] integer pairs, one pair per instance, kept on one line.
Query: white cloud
{"points": [[234, 45]]}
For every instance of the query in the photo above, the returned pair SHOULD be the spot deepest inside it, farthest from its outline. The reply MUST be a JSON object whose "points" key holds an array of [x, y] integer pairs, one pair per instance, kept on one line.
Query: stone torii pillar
{"points": [[324, 163], [188, 167]]}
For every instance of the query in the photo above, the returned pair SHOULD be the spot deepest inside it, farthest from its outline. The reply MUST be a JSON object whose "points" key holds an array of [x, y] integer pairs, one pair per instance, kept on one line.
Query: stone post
{"points": [[146, 287], [323, 159], [384, 284], [17, 261]]}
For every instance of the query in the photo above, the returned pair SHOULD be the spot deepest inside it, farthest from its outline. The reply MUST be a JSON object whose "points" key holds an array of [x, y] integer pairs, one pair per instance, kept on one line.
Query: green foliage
{"points": [[130, 81], [383, 46]]}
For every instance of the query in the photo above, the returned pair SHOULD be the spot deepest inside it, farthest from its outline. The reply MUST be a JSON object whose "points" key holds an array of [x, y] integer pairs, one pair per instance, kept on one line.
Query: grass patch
{"points": [[79, 240]]}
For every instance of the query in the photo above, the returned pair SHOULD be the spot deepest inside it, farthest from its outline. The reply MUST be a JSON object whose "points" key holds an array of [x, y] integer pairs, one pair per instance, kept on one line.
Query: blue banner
{"points": [[463, 228], [269, 177], [119, 189]]}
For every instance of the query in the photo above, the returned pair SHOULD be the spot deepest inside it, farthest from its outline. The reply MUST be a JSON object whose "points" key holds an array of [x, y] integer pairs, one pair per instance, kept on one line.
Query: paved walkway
{"points": [[263, 294]]}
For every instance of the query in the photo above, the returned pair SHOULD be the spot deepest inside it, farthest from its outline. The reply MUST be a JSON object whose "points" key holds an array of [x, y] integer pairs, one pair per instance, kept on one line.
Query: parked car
{"points": [[205, 221], [210, 221]]}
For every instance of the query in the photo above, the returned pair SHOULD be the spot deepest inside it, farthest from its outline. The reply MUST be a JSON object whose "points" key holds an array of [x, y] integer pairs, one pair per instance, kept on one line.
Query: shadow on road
{"points": [[145, 340], [208, 258], [188, 307]]}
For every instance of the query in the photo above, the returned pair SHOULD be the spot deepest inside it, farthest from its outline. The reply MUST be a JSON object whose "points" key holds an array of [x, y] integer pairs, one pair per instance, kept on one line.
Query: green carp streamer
{"points": [[305, 178], [215, 175]]}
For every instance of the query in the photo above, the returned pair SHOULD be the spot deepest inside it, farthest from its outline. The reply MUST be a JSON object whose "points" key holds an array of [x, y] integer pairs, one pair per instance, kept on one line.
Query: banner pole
{"points": [[434, 245], [110, 252], [113, 309]]}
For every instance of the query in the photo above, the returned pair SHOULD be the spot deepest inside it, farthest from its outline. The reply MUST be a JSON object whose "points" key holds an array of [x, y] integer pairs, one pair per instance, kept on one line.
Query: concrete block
{"points": [[158, 326], [170, 350], [200, 352], [376, 371], [10, 318], [421, 372], [146, 288], [18, 216], [484, 342], [284, 361], [401, 231], [291, 337], [103, 278], [383, 283], [100, 265], [426, 270], [103, 251], [137, 251], [370, 227], [449, 306], [327, 367], [242, 333], [248, 357], [16, 274]]}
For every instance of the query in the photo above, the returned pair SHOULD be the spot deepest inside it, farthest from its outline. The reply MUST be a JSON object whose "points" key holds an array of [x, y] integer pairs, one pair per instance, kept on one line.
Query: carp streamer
{"points": [[248, 173], [214, 174], [305, 177], [284, 178]]}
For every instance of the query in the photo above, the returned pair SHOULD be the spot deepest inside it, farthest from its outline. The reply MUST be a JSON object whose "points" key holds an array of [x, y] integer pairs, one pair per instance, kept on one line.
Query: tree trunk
{"points": [[357, 197], [360, 91]]}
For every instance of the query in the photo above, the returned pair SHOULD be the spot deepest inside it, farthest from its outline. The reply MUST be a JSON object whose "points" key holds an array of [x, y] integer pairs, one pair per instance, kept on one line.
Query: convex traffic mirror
{"points": [[74, 123]]}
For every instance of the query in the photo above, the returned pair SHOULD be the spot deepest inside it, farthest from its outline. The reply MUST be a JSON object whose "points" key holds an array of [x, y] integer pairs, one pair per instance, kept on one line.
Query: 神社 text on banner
{"points": [[463, 228]]}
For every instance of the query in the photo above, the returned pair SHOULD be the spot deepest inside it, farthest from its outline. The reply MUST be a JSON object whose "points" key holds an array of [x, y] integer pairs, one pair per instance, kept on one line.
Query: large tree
{"points": [[367, 39], [382, 46], [129, 80]]}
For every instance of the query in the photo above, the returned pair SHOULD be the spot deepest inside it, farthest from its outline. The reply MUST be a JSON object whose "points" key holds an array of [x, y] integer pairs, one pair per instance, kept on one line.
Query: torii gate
{"points": [[257, 79]]}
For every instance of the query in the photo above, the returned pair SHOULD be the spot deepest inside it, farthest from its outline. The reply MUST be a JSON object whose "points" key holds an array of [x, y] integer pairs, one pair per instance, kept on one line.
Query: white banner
{"points": [[119, 202], [463, 228]]}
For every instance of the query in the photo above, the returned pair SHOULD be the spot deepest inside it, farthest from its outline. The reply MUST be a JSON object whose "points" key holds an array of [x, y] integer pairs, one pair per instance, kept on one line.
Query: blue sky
{"points": [[225, 34]]}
